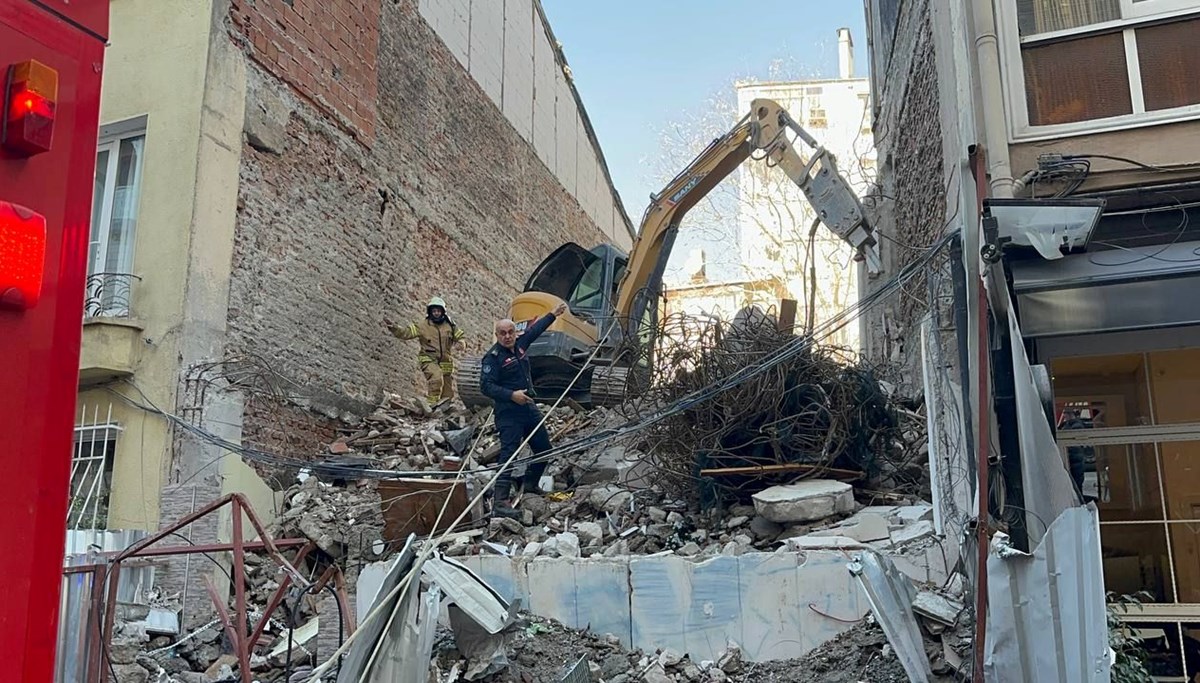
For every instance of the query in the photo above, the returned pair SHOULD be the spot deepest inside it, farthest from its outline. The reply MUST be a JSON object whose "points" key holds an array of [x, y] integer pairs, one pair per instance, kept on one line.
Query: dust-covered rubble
{"points": [[546, 650]]}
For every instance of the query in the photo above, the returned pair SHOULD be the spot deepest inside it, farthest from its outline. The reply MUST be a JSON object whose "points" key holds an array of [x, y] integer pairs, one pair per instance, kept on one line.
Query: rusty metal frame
{"points": [[235, 624]]}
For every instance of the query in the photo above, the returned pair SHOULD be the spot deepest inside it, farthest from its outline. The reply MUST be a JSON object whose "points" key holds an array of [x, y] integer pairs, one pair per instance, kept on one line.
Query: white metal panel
{"points": [[487, 47], [1046, 615], [518, 65], [1049, 490]]}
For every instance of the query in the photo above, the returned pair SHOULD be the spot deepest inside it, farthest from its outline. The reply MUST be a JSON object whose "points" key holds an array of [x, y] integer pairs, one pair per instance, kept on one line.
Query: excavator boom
{"points": [[764, 130], [620, 317]]}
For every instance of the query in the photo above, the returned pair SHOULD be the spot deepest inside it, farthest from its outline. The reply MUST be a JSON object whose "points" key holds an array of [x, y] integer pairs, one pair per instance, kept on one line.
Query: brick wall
{"points": [[910, 205], [324, 49], [448, 201]]}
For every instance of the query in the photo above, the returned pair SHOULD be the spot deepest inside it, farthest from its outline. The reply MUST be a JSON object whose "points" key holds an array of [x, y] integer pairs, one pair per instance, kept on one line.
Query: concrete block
{"points": [[566, 129], [813, 542], [771, 594], [487, 48], [545, 92], [910, 514], [804, 501], [518, 66], [827, 590]]}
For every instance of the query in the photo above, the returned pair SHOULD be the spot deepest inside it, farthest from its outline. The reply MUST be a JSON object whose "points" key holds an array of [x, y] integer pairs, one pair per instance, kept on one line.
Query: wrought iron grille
{"points": [[108, 295]]}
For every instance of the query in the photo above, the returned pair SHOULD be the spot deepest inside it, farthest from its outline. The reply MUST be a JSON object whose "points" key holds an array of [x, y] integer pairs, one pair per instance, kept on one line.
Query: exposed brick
{"points": [[320, 255], [305, 32], [909, 142]]}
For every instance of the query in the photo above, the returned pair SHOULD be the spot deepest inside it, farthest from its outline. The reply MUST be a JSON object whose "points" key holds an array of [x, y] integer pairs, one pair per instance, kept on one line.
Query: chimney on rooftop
{"points": [[845, 54]]}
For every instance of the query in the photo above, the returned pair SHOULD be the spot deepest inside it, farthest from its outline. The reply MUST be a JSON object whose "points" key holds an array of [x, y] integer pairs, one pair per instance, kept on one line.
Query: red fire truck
{"points": [[51, 54]]}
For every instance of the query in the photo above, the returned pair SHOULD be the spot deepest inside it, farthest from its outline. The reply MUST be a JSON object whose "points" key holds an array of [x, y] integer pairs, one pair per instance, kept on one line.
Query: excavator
{"points": [[614, 297]]}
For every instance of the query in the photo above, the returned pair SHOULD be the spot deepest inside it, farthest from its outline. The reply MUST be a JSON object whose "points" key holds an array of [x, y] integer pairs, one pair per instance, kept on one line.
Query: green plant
{"points": [[1130, 665]]}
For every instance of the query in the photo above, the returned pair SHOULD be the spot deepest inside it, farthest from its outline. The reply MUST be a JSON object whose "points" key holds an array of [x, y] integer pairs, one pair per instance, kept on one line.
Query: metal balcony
{"points": [[107, 295], [111, 336]]}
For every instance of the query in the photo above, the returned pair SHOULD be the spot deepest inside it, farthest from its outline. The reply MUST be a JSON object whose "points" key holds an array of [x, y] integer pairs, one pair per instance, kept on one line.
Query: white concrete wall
{"points": [[770, 604], [507, 50]]}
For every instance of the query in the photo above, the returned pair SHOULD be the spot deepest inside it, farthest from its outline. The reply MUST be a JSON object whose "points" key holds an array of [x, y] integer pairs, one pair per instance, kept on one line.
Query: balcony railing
{"points": [[107, 295]]}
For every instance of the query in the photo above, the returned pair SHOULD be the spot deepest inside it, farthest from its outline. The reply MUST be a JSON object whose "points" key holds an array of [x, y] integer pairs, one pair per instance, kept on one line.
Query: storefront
{"points": [[1119, 332]]}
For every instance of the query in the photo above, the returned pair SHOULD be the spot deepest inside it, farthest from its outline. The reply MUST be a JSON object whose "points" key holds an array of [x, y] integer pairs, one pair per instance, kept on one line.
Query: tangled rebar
{"points": [[822, 412]]}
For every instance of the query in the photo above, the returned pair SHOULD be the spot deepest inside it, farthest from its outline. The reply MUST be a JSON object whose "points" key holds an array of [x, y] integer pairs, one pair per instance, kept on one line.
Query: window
{"points": [[1129, 427], [119, 160], [91, 468], [1080, 66]]}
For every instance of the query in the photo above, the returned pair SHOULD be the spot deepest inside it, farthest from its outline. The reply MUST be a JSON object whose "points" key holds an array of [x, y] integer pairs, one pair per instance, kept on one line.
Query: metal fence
{"points": [[108, 295], [78, 654]]}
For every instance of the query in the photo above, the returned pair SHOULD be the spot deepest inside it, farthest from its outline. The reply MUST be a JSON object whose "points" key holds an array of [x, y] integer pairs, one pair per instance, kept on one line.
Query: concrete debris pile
{"points": [[816, 413], [612, 521], [406, 435], [345, 522], [547, 651]]}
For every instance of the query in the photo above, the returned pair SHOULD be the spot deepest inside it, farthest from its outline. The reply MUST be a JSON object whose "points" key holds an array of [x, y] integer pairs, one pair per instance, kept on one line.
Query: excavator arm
{"points": [[764, 131]]}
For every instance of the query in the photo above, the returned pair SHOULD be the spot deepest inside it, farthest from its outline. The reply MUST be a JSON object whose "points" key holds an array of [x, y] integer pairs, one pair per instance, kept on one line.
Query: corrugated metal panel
{"points": [[1046, 612], [891, 595], [75, 601]]}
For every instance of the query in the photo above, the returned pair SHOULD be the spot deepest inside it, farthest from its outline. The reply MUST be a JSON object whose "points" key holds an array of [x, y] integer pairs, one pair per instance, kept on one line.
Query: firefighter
{"points": [[504, 377], [437, 335]]}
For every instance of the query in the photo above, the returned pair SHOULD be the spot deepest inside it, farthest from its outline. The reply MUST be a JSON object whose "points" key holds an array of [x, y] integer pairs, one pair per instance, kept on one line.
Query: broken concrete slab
{"points": [[911, 533], [865, 527], [937, 607], [804, 501], [911, 514], [812, 542]]}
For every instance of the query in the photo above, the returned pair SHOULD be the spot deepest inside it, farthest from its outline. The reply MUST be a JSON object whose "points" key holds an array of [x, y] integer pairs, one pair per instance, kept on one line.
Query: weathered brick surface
{"points": [[332, 236], [911, 208], [325, 49]]}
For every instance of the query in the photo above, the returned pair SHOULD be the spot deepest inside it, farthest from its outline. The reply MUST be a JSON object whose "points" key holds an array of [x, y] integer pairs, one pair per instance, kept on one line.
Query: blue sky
{"points": [[640, 65]]}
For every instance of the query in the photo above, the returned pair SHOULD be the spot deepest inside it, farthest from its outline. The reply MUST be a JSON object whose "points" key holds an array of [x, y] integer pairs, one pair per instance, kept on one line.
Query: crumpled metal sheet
{"points": [[472, 594], [1046, 611], [891, 595], [1047, 484], [360, 661]]}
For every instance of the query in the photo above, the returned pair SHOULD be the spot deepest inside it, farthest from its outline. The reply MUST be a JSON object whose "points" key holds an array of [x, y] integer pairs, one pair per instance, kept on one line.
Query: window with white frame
{"points": [[1077, 66], [120, 157], [92, 467]]}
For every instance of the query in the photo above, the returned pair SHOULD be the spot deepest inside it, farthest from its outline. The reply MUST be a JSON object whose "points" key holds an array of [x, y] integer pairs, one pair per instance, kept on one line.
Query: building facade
{"points": [[1058, 141], [275, 178], [776, 228]]}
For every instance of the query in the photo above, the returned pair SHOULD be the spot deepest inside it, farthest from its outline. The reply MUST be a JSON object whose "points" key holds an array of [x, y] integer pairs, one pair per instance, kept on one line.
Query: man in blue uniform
{"points": [[505, 378]]}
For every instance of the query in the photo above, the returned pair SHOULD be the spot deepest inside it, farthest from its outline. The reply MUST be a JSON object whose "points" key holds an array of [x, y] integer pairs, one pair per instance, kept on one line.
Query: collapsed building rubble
{"points": [[822, 459]]}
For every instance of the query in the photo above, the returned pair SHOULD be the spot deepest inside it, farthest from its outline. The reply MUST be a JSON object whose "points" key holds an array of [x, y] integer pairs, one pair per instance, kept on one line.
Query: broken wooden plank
{"points": [[785, 467]]}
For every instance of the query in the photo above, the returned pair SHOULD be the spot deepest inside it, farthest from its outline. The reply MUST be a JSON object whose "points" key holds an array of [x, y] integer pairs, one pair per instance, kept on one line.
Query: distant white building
{"points": [[775, 220]]}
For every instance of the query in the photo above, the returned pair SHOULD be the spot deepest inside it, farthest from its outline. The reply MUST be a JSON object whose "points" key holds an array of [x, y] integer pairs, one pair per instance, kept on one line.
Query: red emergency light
{"points": [[22, 256], [32, 95]]}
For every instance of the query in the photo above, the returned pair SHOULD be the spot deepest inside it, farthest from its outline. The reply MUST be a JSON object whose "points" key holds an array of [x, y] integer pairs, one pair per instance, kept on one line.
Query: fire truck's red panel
{"points": [[39, 347]]}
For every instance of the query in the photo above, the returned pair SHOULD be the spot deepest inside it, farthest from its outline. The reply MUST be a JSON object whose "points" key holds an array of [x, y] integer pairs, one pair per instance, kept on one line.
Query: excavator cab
{"points": [[588, 280]]}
